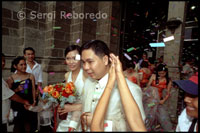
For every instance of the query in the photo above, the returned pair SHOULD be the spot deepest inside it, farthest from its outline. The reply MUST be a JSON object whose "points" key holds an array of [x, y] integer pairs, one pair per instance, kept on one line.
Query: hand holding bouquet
{"points": [[60, 93]]}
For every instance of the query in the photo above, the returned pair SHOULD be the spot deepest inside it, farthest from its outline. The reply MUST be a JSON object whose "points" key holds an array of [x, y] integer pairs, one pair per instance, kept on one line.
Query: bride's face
{"points": [[71, 60]]}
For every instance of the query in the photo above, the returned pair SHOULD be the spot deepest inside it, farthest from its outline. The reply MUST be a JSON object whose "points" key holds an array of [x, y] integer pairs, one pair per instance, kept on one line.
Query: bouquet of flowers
{"points": [[60, 93]]}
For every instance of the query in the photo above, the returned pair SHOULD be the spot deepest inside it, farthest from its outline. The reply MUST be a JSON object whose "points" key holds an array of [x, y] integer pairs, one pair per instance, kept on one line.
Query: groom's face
{"points": [[95, 66]]}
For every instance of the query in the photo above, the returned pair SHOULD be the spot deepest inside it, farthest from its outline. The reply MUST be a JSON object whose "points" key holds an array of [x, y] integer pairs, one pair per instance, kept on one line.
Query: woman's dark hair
{"points": [[151, 60], [144, 64], [72, 48], [144, 52], [162, 67], [15, 62], [135, 59], [130, 64], [99, 47], [2, 55], [28, 48]]}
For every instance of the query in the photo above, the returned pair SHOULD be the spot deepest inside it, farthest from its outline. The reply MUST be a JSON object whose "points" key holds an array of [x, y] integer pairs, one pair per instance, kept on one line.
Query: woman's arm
{"points": [[138, 79], [131, 109], [151, 80], [69, 108], [168, 93], [10, 82], [101, 108], [18, 99]]}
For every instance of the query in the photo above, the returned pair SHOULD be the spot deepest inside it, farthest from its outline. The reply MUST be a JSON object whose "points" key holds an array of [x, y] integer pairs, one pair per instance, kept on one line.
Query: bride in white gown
{"points": [[77, 76]]}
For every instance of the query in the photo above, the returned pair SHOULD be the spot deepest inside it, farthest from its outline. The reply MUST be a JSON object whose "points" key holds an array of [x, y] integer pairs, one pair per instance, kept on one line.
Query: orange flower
{"points": [[67, 90], [70, 86], [50, 89], [45, 89], [55, 94]]}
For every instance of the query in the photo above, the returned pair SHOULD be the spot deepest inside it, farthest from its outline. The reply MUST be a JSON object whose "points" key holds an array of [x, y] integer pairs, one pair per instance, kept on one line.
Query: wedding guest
{"points": [[77, 76], [7, 96], [34, 68], [144, 73], [131, 73], [144, 58], [188, 120], [152, 65], [23, 84], [95, 58], [158, 81], [132, 111]]}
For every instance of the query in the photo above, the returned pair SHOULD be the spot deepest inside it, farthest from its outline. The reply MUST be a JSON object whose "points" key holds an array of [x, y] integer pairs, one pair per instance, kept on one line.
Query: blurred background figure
{"points": [[131, 73], [144, 73], [153, 99], [144, 58], [188, 69]]}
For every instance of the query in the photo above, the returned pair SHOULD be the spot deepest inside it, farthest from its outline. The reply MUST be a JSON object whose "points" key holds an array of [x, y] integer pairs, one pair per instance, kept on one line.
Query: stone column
{"points": [[76, 27], [56, 41], [104, 25], [90, 23], [172, 50], [11, 41], [115, 27]]}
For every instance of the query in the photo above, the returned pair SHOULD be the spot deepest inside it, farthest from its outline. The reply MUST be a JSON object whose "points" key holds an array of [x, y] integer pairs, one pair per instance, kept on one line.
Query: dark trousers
{"points": [[46, 129], [4, 128], [25, 122]]}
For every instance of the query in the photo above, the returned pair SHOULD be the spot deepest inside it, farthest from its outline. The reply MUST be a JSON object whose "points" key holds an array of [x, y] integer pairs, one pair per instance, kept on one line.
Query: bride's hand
{"points": [[67, 108]]}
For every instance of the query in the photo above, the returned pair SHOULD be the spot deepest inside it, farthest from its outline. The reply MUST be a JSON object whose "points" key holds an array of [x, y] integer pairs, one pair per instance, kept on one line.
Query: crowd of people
{"points": [[109, 98]]}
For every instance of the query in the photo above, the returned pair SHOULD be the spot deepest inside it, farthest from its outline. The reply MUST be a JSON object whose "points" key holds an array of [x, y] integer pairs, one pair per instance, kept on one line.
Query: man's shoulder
{"points": [[37, 65], [184, 117], [133, 87], [184, 121], [131, 84]]}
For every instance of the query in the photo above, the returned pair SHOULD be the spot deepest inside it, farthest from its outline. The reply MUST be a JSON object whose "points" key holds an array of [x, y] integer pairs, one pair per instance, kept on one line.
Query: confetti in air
{"points": [[56, 28], [157, 44], [130, 49], [67, 15], [151, 104], [127, 56], [168, 38], [52, 73], [41, 91], [78, 40]]}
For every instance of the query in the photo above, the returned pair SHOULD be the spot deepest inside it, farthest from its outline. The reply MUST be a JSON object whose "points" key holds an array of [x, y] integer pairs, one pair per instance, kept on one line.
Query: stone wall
{"points": [[50, 43]]}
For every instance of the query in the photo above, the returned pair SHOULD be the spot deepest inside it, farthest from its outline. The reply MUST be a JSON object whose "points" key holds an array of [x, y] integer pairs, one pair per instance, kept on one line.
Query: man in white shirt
{"points": [[36, 69], [188, 119], [33, 67], [7, 95], [95, 58]]}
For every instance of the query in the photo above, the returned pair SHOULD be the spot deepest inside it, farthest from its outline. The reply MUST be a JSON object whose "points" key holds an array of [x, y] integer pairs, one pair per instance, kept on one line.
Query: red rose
{"points": [[65, 94]]}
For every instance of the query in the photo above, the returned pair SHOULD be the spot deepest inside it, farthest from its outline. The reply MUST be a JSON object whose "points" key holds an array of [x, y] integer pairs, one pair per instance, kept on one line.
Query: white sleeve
{"points": [[137, 94], [6, 91], [40, 74], [177, 128]]}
